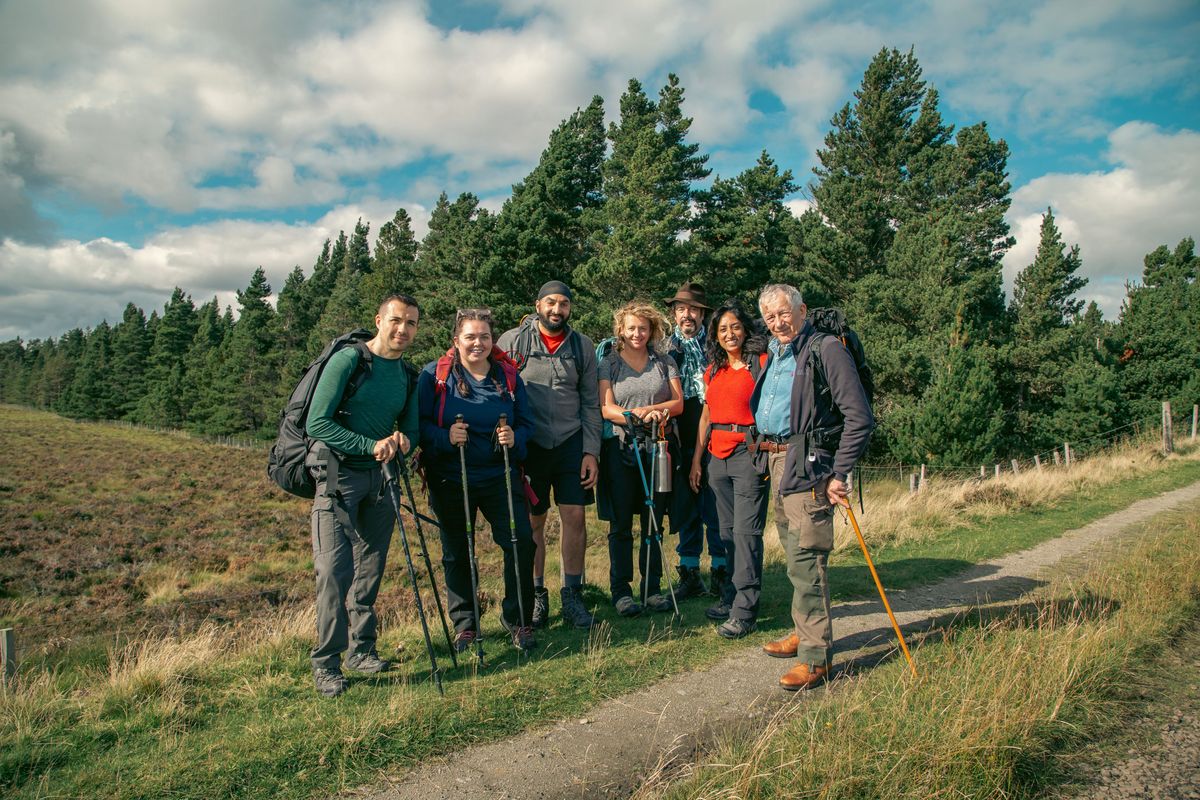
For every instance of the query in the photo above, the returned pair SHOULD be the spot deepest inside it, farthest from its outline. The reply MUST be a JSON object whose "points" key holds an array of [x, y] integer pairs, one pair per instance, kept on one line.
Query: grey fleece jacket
{"points": [[563, 395]]}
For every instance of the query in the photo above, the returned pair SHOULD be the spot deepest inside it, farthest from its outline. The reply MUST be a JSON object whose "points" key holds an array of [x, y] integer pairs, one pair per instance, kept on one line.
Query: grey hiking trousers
{"points": [[350, 538]]}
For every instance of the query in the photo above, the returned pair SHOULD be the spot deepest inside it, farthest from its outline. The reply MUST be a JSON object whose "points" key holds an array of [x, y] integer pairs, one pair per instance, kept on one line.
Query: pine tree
{"points": [[1044, 345], [202, 365], [1160, 326], [544, 230], [959, 420], [452, 271], [647, 188], [392, 266], [162, 401], [874, 171], [130, 359], [239, 398], [90, 395], [742, 232]]}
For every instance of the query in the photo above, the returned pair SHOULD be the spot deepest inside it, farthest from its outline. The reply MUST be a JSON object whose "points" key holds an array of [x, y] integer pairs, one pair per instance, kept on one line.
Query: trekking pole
{"points": [[651, 525], [512, 524], [389, 478], [470, 521], [871, 565], [437, 597]]}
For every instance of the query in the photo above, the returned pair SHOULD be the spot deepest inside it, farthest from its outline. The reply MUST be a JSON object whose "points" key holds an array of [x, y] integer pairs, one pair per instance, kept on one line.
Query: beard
{"points": [[551, 326]]}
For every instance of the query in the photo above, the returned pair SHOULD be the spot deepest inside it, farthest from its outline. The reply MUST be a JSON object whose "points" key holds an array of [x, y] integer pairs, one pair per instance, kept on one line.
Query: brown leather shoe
{"points": [[803, 676], [783, 648]]}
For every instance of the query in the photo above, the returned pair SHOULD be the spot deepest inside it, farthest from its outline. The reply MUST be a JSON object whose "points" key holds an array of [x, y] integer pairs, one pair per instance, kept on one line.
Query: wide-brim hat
{"points": [[691, 293]]}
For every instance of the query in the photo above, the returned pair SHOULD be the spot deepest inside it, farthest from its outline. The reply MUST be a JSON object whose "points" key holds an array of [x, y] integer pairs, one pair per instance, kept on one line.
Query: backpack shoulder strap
{"points": [[440, 374], [523, 342], [362, 369]]}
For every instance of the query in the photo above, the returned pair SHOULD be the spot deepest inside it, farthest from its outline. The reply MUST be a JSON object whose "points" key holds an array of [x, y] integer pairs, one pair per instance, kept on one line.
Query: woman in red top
{"points": [[741, 486]]}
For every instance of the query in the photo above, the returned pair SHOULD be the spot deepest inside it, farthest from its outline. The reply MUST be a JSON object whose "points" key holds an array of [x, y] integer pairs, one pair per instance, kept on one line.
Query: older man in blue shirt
{"points": [[808, 471]]}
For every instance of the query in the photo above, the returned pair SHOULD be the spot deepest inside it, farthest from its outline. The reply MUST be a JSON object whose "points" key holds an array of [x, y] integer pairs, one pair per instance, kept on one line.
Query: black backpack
{"points": [[286, 463], [832, 322]]}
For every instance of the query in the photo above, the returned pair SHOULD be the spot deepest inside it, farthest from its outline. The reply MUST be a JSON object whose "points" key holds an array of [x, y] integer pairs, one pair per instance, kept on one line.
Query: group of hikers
{"points": [[697, 415]]}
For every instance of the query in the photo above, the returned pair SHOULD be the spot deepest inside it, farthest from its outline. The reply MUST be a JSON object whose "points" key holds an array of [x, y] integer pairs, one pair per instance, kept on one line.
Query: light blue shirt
{"points": [[774, 415]]}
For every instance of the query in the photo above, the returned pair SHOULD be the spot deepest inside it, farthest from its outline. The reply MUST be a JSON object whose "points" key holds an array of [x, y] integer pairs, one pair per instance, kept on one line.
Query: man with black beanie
{"points": [[558, 365]]}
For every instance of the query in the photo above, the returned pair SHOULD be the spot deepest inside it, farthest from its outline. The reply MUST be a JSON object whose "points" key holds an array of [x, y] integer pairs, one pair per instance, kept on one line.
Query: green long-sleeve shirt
{"points": [[385, 402]]}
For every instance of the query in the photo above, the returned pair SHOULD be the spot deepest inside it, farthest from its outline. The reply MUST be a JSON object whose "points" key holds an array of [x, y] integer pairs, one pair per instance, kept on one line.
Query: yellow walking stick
{"points": [[871, 565]]}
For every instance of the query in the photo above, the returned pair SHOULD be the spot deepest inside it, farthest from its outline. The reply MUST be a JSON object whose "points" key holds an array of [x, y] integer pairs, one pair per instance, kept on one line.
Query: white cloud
{"points": [[50, 289], [1148, 198]]}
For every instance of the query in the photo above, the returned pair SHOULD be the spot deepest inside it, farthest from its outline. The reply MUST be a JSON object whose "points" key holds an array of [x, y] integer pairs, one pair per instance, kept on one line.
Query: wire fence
{"points": [[1147, 430]]}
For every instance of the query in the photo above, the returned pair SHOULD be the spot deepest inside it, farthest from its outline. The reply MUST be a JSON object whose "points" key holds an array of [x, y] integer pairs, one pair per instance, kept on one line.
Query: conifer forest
{"points": [[906, 234]]}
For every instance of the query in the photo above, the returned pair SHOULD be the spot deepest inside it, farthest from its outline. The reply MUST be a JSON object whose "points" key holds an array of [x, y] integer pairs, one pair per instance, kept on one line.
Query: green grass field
{"points": [[160, 587]]}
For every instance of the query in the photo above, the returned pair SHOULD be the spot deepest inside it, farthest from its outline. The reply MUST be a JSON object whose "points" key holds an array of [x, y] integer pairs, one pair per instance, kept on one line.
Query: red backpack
{"points": [[442, 372]]}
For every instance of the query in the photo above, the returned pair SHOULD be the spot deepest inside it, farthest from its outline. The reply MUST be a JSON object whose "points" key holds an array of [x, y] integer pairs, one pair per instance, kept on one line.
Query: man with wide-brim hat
{"points": [[693, 513]]}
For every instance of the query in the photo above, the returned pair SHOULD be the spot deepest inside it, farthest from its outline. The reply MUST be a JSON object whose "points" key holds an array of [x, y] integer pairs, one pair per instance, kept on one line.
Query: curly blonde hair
{"points": [[660, 326]]}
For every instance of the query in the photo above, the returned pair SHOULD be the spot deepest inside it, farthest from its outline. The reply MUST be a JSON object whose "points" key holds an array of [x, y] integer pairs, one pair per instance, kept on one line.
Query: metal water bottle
{"points": [[663, 477]]}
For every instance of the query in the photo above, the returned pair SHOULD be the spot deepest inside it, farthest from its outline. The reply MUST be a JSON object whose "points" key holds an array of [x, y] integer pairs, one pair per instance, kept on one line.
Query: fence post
{"points": [[982, 472], [1167, 444], [912, 483], [1195, 419], [8, 652], [1067, 453], [1057, 460], [1016, 471], [997, 470], [1037, 463], [921, 483]]}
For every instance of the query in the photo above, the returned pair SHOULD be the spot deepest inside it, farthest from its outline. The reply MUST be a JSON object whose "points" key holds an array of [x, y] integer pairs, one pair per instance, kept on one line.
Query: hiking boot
{"points": [[573, 610], [368, 662], [463, 640], [737, 628], [659, 602], [522, 635], [541, 606], [718, 610], [690, 584], [627, 606], [783, 648], [803, 676], [717, 578], [330, 682]]}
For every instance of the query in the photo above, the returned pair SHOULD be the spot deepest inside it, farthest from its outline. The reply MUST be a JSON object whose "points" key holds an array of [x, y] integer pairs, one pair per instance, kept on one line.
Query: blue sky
{"points": [[146, 144]]}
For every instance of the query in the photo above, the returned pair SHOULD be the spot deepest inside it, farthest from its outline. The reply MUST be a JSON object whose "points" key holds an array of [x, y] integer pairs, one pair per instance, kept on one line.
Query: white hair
{"points": [[773, 290]]}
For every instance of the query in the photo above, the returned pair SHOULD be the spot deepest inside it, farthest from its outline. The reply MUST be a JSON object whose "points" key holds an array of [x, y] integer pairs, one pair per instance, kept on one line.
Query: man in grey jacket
{"points": [[558, 365], [815, 422]]}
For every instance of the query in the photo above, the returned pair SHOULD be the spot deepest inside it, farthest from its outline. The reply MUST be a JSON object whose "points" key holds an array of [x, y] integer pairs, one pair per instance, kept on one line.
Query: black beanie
{"points": [[554, 287]]}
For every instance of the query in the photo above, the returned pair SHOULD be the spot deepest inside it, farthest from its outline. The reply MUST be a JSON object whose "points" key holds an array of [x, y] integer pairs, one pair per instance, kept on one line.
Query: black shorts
{"points": [[557, 468]]}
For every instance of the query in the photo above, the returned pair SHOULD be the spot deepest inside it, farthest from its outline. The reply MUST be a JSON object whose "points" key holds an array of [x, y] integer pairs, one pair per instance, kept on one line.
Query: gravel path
{"points": [[1162, 758], [608, 753]]}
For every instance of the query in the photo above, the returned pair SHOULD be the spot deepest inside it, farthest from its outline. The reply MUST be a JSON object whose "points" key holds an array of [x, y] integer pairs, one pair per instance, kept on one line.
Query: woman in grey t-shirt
{"points": [[635, 376]]}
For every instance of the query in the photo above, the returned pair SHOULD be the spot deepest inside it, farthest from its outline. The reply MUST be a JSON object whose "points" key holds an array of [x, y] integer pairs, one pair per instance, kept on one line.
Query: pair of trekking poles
{"points": [[512, 530], [652, 532], [391, 483]]}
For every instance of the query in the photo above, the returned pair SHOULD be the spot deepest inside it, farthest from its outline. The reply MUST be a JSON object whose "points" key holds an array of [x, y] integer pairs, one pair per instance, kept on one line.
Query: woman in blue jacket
{"points": [[478, 382]]}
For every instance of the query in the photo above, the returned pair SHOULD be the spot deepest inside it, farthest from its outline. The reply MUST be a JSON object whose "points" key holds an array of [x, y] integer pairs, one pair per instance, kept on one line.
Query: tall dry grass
{"points": [[894, 516], [996, 704]]}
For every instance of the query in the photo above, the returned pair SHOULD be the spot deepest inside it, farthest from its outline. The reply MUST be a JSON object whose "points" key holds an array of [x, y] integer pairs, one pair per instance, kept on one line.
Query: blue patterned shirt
{"points": [[691, 373]]}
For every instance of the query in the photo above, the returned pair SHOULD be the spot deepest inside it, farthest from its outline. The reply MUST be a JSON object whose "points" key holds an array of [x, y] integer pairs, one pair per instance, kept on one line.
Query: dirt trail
{"points": [[608, 753]]}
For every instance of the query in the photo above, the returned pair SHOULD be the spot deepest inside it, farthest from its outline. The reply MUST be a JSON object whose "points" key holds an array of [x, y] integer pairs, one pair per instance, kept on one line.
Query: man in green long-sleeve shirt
{"points": [[352, 524]]}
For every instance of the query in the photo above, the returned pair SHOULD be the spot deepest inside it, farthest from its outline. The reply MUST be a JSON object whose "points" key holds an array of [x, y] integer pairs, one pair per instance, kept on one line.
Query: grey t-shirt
{"points": [[632, 388]]}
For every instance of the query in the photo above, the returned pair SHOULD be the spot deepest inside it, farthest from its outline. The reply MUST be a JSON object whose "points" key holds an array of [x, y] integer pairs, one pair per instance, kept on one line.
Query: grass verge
{"points": [[1004, 702]]}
